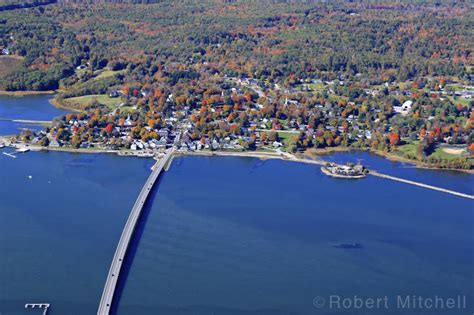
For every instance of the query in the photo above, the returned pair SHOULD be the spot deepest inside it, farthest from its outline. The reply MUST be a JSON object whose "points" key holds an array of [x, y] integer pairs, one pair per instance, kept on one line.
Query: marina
{"points": [[18, 149]]}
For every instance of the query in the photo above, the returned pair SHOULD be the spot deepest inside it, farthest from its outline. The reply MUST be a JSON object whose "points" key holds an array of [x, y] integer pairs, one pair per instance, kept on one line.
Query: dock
{"points": [[10, 155], [44, 306], [127, 234]]}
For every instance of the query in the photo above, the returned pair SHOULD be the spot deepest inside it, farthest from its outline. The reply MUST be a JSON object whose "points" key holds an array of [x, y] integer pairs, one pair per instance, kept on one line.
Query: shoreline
{"points": [[387, 155], [283, 156], [25, 93], [263, 155], [313, 153], [59, 105], [417, 164], [260, 155]]}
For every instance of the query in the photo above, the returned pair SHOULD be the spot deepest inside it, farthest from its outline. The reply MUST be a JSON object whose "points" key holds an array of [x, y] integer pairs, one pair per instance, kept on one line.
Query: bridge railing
{"points": [[125, 238]]}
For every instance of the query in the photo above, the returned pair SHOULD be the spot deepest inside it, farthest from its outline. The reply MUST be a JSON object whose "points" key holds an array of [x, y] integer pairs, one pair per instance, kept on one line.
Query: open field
{"points": [[99, 74], [284, 136], [448, 153], [8, 64], [464, 101], [107, 73], [409, 149], [81, 102], [455, 151], [445, 153]]}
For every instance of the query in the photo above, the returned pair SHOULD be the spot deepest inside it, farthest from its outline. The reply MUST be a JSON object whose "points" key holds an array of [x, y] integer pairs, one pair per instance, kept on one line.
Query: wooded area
{"points": [[365, 74]]}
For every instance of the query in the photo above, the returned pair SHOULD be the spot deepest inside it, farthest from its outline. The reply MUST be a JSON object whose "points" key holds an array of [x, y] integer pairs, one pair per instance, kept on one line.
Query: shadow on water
{"points": [[133, 247]]}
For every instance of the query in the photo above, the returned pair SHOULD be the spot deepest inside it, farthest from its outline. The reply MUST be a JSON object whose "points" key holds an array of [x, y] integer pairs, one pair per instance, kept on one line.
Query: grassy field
{"points": [[8, 64], [99, 74], [409, 149], [465, 102], [315, 87], [84, 101], [285, 138], [439, 153], [107, 73]]}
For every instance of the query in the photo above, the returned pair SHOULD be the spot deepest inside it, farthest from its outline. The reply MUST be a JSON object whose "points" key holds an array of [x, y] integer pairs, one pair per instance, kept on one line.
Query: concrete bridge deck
{"points": [[127, 233]]}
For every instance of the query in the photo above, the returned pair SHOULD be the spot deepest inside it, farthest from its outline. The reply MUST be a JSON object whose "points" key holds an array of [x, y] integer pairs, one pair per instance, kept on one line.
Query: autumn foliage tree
{"points": [[394, 139], [109, 128], [471, 148]]}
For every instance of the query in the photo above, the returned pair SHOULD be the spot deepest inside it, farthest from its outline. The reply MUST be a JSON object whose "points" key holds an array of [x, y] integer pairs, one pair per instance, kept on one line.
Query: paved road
{"points": [[125, 238]]}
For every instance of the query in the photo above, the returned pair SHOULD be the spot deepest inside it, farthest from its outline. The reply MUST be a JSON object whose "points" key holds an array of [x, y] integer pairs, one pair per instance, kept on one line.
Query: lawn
{"points": [[314, 86], [8, 64], [285, 137], [455, 87], [99, 74], [84, 101], [411, 150], [465, 102], [106, 73], [439, 153]]}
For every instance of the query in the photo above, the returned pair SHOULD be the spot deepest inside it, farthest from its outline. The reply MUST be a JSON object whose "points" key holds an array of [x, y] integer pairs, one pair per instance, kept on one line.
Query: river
{"points": [[28, 107]]}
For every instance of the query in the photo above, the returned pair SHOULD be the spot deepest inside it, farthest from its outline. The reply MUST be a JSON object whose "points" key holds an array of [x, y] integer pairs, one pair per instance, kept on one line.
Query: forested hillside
{"points": [[392, 77], [277, 41]]}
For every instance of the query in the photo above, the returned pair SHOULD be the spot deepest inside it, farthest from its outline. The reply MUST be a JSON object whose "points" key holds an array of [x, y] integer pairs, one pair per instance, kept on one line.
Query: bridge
{"points": [[127, 233]]}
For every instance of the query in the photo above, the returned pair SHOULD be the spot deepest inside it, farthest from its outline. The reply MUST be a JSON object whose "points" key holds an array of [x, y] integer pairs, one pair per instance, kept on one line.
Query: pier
{"points": [[44, 306], [127, 233], [10, 155], [406, 181]]}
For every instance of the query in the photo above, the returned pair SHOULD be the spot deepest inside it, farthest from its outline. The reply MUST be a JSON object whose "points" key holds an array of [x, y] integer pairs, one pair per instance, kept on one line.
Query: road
{"points": [[127, 234]]}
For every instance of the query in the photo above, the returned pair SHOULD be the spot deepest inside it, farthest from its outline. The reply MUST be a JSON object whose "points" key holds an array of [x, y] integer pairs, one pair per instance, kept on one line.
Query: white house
{"points": [[404, 109]]}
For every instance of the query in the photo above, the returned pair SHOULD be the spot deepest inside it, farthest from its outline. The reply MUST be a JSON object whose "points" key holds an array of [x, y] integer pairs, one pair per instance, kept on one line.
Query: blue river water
{"points": [[34, 107], [59, 229], [453, 180], [223, 236], [230, 236], [243, 236]]}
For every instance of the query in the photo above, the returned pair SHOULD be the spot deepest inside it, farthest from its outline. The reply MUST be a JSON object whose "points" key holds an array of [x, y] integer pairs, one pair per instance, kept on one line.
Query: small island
{"points": [[344, 171]]}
